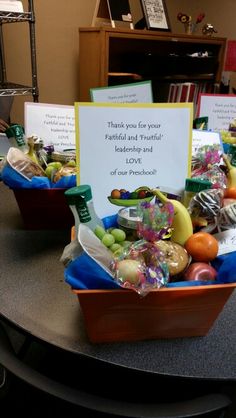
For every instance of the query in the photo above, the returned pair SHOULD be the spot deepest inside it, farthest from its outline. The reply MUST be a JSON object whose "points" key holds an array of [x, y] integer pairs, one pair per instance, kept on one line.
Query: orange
{"points": [[115, 194], [230, 193], [202, 246]]}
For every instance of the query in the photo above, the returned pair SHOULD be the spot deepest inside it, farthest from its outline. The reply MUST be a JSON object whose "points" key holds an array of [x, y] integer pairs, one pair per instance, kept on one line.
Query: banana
{"points": [[231, 175], [31, 153], [182, 223]]}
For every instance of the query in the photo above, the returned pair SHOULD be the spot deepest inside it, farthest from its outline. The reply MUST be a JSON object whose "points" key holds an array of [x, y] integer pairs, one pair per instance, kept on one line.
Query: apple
{"points": [[129, 271], [142, 194], [52, 168], [71, 163], [200, 271]]}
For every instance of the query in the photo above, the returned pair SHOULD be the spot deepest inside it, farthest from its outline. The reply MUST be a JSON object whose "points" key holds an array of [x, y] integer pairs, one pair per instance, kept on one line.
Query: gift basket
{"points": [[155, 269], [38, 177]]}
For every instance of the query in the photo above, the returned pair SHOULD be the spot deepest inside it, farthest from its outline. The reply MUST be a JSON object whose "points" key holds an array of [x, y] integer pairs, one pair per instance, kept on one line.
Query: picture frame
{"points": [[120, 13], [155, 14], [116, 13]]}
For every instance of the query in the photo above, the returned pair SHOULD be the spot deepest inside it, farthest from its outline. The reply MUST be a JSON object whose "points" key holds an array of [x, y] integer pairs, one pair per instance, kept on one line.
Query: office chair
{"points": [[198, 407]]}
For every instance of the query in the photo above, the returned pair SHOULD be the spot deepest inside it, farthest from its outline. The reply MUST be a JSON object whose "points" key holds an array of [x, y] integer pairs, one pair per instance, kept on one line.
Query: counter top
{"points": [[35, 298]]}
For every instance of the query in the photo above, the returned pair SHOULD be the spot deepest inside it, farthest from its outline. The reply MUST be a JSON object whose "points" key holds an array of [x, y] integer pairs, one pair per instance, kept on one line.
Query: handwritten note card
{"points": [[220, 109], [126, 146], [55, 124], [126, 93]]}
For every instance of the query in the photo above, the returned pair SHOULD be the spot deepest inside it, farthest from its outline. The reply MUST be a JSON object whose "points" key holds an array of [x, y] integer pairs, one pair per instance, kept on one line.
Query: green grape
{"points": [[99, 231], [108, 239], [125, 244], [118, 234], [114, 247], [110, 229], [118, 252]]}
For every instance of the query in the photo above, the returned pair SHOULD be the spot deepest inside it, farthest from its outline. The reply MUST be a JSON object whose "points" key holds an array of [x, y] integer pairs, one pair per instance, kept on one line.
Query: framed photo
{"points": [[120, 13], [155, 14], [114, 12]]}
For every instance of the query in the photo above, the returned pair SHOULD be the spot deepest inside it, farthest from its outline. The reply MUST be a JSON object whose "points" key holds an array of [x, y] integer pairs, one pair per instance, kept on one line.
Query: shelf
{"points": [[13, 17], [160, 57], [186, 77], [12, 89]]}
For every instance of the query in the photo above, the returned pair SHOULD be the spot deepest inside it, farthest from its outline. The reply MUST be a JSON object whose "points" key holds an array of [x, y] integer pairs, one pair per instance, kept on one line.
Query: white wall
{"points": [[57, 24]]}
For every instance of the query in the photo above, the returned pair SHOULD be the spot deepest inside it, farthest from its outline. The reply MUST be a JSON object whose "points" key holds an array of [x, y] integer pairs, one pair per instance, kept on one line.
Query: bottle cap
{"points": [[84, 191], [197, 185]]}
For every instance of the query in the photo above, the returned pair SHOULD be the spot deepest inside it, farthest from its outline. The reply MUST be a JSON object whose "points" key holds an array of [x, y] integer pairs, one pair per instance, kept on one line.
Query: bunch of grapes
{"points": [[113, 238]]}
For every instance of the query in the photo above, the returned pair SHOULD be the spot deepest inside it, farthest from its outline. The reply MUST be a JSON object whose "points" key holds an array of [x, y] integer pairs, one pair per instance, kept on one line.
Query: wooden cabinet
{"points": [[110, 56]]}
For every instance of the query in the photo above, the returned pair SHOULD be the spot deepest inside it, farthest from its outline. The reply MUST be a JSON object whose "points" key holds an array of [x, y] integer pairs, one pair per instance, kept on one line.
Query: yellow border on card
{"points": [[134, 105]]}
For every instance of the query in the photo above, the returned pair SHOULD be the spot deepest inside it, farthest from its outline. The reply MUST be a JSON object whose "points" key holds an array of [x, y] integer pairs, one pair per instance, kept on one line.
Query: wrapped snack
{"points": [[206, 157], [227, 216], [23, 164], [206, 166], [206, 204], [216, 176], [64, 171], [175, 256], [155, 221], [142, 266]]}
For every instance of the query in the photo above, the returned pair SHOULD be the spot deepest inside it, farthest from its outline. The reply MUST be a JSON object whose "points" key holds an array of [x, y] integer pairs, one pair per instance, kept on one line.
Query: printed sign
{"points": [[203, 139], [227, 241], [55, 124], [126, 93], [127, 146], [220, 109]]}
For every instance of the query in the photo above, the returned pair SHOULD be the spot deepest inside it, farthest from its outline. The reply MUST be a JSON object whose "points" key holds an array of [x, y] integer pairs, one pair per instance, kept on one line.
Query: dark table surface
{"points": [[35, 298]]}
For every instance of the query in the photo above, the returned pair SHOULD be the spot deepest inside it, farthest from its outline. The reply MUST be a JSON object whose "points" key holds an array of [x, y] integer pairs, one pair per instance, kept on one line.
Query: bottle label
{"points": [[17, 132], [83, 211]]}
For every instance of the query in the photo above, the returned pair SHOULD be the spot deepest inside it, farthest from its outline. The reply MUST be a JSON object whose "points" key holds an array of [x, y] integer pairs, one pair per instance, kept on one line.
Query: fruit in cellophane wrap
{"points": [[142, 265]]}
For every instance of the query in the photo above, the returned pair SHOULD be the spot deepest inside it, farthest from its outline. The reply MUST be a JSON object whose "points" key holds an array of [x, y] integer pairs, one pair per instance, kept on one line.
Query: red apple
{"points": [[142, 194], [200, 271]]}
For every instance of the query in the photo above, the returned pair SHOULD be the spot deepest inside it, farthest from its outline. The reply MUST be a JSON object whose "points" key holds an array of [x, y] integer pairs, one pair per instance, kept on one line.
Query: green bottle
{"points": [[16, 135], [194, 186], [79, 198], [232, 154]]}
